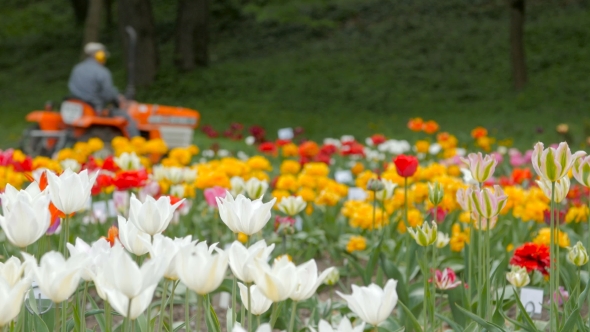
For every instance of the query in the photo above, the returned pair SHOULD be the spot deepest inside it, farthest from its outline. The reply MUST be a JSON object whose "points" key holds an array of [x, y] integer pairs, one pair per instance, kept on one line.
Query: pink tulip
{"points": [[446, 279], [212, 193]]}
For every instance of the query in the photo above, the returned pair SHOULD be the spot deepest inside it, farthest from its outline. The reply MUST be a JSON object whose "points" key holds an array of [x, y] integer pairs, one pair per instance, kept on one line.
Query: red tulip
{"points": [[130, 179], [406, 166]]}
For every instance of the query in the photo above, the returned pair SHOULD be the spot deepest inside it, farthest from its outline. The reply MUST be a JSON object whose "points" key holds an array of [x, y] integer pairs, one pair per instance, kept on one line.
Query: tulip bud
{"points": [[518, 276], [332, 277], [424, 235], [577, 255], [375, 185], [435, 193]]}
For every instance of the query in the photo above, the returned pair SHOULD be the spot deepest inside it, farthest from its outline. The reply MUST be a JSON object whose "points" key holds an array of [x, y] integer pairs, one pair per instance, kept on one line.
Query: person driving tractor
{"points": [[91, 82]]}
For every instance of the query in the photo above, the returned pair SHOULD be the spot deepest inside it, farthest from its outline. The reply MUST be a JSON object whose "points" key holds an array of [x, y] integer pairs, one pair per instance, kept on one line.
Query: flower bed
{"points": [[434, 234]]}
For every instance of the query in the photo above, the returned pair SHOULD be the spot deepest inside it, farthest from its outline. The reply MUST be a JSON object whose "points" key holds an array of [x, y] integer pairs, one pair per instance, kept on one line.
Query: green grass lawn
{"points": [[447, 62]]}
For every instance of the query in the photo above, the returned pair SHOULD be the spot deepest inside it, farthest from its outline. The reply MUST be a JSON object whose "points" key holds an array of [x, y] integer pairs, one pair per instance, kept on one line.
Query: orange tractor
{"points": [[78, 121]]}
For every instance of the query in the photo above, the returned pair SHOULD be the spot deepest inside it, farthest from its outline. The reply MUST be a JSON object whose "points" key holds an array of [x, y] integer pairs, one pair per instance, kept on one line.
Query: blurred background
{"points": [[332, 67]]}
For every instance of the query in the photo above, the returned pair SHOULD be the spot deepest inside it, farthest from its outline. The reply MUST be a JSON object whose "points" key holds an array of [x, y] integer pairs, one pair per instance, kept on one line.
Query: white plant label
{"points": [[356, 193], [532, 300], [343, 176], [286, 133]]}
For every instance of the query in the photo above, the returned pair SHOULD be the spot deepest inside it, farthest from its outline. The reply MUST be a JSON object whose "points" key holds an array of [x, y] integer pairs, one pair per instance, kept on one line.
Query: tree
{"points": [[80, 8], [92, 26], [192, 34], [138, 14], [519, 76]]}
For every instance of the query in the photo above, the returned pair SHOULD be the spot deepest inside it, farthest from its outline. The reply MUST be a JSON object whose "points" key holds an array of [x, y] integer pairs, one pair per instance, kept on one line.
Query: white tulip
{"points": [[201, 270], [256, 188], [241, 258], [387, 191], [133, 239], [167, 248], [344, 326], [174, 174], [260, 303], [261, 328], [243, 215], [372, 304], [309, 281], [26, 218], [238, 186], [442, 240], [128, 161], [562, 187], [277, 283], [11, 299], [151, 216], [177, 190], [127, 287], [95, 253], [12, 271], [71, 164], [189, 175], [158, 173], [292, 205], [70, 191], [57, 277], [10, 194]]}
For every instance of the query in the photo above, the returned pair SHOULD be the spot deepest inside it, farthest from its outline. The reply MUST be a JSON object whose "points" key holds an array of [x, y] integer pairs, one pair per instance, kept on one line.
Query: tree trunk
{"points": [[80, 8], [184, 50], [201, 33], [92, 27], [108, 7], [138, 14], [192, 35], [517, 10]]}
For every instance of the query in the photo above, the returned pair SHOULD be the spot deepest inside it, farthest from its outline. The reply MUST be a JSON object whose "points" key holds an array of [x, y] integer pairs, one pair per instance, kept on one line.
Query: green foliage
{"points": [[332, 67]]}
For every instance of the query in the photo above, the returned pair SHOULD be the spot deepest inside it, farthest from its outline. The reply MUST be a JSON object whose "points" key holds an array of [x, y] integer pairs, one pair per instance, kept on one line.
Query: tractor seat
{"points": [[80, 113]]}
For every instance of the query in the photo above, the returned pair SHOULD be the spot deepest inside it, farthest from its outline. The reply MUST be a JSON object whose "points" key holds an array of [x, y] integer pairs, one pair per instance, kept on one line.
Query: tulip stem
{"points": [[488, 308], [234, 301], [293, 314], [552, 275], [128, 318], [480, 274], [108, 316], [471, 262], [162, 305], [174, 284], [407, 224], [250, 323], [433, 286], [588, 246], [199, 305], [64, 306], [426, 293], [83, 308], [66, 227], [187, 319]]}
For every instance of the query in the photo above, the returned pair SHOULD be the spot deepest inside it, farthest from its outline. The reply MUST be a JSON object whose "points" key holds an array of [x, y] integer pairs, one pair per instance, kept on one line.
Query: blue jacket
{"points": [[92, 82]]}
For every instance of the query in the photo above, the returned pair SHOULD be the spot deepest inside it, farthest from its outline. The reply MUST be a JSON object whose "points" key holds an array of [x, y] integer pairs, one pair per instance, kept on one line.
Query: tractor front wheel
{"points": [[35, 146]]}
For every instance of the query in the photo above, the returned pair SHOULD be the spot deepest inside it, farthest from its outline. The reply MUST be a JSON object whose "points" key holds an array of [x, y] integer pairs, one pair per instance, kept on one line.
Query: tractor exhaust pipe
{"points": [[130, 89]]}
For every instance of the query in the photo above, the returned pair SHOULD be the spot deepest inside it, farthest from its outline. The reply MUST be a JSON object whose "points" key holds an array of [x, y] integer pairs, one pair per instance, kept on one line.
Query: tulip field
{"points": [[347, 234]]}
